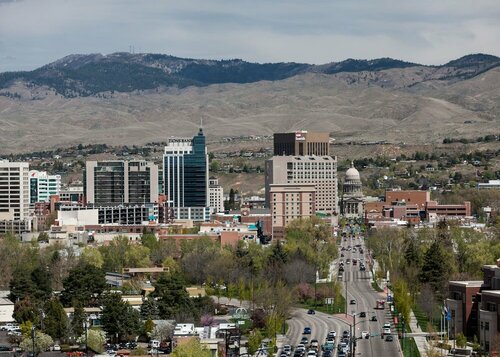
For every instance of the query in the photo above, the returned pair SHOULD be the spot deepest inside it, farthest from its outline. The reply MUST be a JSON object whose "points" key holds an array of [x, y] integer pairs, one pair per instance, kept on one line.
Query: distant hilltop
{"points": [[91, 74]]}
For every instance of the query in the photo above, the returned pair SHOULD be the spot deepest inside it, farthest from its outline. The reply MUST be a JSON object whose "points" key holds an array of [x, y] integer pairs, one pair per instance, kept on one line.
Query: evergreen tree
{"points": [[119, 319], [436, 266], [149, 309], [56, 321], [78, 320], [173, 298], [85, 283]]}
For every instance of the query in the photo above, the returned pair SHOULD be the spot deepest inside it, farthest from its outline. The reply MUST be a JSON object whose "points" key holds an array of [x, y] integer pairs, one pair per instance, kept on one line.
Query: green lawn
{"points": [[337, 308], [409, 347], [376, 287], [423, 320]]}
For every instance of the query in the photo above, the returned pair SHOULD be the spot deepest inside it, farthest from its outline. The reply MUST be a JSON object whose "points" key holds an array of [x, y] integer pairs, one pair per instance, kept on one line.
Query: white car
{"points": [[312, 354], [364, 334], [386, 331], [287, 349], [56, 348]]}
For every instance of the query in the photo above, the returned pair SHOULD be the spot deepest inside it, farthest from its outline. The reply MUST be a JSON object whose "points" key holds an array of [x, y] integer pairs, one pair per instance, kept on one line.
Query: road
{"points": [[359, 288]]}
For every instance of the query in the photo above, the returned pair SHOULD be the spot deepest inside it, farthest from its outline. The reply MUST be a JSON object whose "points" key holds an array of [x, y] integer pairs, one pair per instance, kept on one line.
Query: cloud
{"points": [[316, 31]]}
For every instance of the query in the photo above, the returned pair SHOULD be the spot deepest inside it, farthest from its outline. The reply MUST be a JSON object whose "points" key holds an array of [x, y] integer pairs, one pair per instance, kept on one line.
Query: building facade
{"points": [[185, 176], [215, 195], [14, 197], [42, 186], [352, 204], [298, 170], [290, 202], [109, 183], [301, 143]]}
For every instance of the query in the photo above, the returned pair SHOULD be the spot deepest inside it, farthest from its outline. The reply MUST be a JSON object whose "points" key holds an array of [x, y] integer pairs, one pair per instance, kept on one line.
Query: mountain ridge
{"points": [[80, 75]]}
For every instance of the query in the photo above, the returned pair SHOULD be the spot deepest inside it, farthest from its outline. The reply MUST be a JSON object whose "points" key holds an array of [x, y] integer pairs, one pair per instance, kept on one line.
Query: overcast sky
{"points": [[36, 32]]}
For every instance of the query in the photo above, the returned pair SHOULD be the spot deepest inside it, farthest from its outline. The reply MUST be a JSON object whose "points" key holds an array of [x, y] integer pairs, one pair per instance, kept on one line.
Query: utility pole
{"points": [[33, 339], [345, 281]]}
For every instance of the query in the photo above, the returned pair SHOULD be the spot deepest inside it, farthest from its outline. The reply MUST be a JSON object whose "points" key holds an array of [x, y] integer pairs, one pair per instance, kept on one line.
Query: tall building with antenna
{"points": [[185, 177]]}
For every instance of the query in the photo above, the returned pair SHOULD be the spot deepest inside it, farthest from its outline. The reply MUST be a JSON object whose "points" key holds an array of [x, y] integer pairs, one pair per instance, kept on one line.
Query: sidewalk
{"points": [[420, 341]]}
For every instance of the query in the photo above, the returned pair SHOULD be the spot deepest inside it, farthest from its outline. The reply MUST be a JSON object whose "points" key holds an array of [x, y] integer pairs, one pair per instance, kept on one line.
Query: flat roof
{"points": [[471, 283], [491, 292], [5, 301]]}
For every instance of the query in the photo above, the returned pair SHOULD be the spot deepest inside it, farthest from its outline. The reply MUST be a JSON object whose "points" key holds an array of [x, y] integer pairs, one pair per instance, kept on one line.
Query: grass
{"points": [[410, 348], [423, 320], [376, 287]]}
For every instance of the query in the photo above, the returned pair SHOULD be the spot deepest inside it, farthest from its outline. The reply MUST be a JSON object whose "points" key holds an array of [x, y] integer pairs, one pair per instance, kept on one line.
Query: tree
{"points": [[95, 340], [254, 341], [461, 340], [119, 318], [56, 320], [21, 285], [191, 348], [436, 267], [92, 256], [84, 283], [149, 309], [162, 331], [78, 319], [172, 296], [42, 342], [25, 310]]}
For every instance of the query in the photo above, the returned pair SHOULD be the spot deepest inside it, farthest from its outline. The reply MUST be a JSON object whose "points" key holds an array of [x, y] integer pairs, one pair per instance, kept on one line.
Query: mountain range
{"points": [[135, 98]]}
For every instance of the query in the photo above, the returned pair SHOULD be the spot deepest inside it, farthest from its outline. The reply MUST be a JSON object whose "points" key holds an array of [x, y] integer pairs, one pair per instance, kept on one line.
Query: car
{"points": [[307, 331], [365, 334], [283, 354], [389, 338], [113, 352], [311, 312], [374, 318], [327, 354], [56, 348], [352, 302], [332, 334], [386, 331], [312, 353], [345, 334], [9, 326], [314, 345], [304, 340], [342, 255], [287, 349], [362, 314]]}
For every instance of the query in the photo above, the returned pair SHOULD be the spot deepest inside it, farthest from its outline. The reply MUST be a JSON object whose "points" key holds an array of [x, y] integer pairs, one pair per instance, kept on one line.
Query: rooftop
{"points": [[471, 283]]}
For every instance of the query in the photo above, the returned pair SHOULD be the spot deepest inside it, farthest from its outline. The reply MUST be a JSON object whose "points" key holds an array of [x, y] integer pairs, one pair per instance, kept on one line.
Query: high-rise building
{"points": [[290, 202], [301, 143], [185, 177], [14, 197], [112, 183], [296, 170], [216, 195], [42, 186]]}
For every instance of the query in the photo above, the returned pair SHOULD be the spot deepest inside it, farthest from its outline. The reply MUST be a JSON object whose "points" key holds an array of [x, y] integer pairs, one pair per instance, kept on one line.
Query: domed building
{"points": [[352, 194]]}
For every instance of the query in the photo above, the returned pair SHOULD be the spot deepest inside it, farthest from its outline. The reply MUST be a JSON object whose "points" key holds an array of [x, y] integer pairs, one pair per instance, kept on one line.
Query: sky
{"points": [[37, 32]]}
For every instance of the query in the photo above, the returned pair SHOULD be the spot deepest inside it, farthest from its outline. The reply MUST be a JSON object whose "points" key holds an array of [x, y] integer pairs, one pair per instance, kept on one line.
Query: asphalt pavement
{"points": [[359, 288]]}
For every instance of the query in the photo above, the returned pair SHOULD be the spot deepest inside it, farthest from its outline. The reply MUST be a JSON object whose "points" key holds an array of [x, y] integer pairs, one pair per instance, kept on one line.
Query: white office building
{"points": [[215, 195], [14, 197], [43, 186]]}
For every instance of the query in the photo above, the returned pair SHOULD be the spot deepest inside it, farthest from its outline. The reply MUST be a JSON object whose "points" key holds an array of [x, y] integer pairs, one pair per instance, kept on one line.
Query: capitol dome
{"points": [[352, 174]]}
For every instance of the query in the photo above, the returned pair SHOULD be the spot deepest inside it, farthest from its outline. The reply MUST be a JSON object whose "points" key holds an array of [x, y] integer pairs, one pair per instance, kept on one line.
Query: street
{"points": [[359, 289]]}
